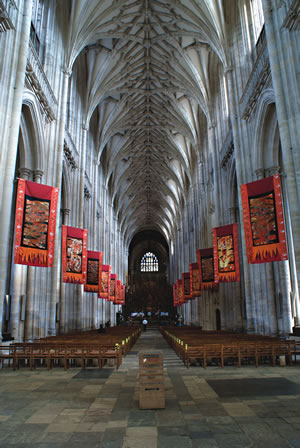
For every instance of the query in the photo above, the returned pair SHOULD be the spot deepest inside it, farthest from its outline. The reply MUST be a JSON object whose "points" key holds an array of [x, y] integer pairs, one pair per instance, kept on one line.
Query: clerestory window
{"points": [[149, 263]]}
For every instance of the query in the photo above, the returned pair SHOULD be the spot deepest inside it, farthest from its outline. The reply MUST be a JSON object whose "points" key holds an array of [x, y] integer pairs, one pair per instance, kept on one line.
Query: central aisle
{"points": [[152, 340]]}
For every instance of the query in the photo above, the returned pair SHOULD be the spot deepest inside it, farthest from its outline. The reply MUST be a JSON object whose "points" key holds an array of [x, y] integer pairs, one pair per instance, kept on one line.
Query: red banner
{"points": [[175, 300], [93, 271], [74, 254], [186, 281], [35, 223], [118, 299], [226, 253], [105, 282], [112, 288], [123, 295], [180, 292], [264, 220], [195, 280], [207, 271]]}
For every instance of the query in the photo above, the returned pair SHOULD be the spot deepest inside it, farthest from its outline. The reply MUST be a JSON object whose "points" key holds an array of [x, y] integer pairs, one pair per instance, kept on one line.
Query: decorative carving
{"points": [[69, 156], [259, 173], [292, 19], [87, 194], [258, 79], [211, 208], [70, 150], [227, 148], [8, 11]]}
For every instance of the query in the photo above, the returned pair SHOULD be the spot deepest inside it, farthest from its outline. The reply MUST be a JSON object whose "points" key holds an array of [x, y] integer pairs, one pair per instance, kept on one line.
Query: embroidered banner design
{"points": [[105, 282], [263, 220], [118, 299], [112, 288], [74, 254], [195, 280], [35, 224], [93, 271], [186, 280], [123, 295], [207, 272], [175, 294], [226, 253], [180, 292]]}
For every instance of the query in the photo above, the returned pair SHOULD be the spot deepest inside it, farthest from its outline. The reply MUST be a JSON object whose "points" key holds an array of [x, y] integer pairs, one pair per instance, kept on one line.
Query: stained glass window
{"points": [[149, 263]]}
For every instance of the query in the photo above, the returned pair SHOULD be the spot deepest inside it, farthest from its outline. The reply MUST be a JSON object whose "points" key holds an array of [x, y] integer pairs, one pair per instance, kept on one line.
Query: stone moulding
{"points": [[39, 83], [258, 80], [292, 19], [227, 149], [8, 11], [70, 151], [87, 193]]}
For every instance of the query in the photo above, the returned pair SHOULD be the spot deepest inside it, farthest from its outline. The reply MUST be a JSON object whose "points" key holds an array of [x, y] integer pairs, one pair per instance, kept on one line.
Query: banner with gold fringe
{"points": [[180, 292], [195, 280], [118, 299], [123, 295], [112, 287], [207, 271], [264, 220], [74, 254], [226, 253], [186, 280], [93, 271], [175, 299], [35, 224], [105, 282]]}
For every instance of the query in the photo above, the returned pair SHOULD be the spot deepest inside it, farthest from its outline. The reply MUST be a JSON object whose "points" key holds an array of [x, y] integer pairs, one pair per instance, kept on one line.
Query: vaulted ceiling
{"points": [[152, 67]]}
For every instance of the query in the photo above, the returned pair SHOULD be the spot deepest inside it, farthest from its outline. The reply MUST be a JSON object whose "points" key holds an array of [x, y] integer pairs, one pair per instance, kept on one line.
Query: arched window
{"points": [[149, 263]]}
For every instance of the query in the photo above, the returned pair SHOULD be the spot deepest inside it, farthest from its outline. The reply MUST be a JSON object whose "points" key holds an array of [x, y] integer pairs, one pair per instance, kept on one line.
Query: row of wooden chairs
{"points": [[215, 348], [68, 350]]}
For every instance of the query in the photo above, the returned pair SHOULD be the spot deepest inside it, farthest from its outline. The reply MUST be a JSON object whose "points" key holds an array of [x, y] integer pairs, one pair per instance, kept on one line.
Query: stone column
{"points": [[96, 220], [285, 124], [240, 179], [19, 285], [63, 305], [11, 153], [216, 205], [81, 317], [31, 284], [55, 272], [282, 271]]}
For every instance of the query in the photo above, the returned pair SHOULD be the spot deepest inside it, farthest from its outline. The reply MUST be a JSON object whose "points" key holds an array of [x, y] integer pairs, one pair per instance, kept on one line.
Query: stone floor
{"points": [[101, 408]]}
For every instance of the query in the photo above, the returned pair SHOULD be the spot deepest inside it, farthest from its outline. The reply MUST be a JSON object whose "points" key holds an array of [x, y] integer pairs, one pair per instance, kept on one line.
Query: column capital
{"points": [[228, 69], [233, 212], [37, 175], [260, 173], [24, 173], [85, 127], [67, 71], [211, 124], [273, 170]]}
